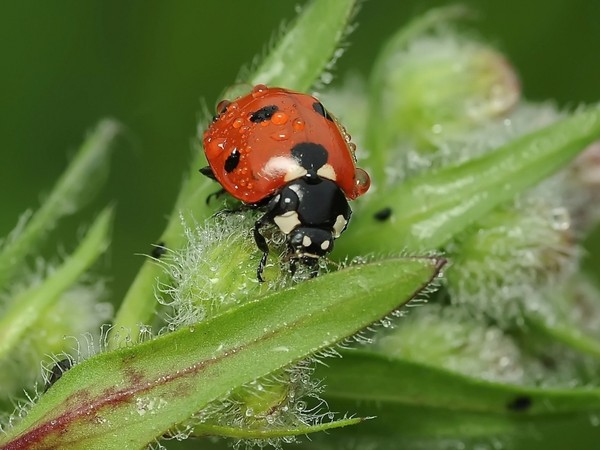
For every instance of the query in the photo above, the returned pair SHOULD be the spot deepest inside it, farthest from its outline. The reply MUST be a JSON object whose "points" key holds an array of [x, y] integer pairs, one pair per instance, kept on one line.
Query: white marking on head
{"points": [[294, 173], [325, 245], [327, 171], [306, 241], [339, 226], [287, 221], [285, 166]]}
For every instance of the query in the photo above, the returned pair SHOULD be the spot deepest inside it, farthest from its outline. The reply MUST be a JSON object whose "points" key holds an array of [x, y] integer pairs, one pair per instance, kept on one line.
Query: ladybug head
{"points": [[312, 213], [308, 243]]}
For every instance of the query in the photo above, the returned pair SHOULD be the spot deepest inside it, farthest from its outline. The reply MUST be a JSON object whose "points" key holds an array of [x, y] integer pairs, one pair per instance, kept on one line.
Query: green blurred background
{"points": [[149, 63]]}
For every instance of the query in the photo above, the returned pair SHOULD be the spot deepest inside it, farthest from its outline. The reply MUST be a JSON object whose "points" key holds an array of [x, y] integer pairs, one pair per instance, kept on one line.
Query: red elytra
{"points": [[249, 144]]}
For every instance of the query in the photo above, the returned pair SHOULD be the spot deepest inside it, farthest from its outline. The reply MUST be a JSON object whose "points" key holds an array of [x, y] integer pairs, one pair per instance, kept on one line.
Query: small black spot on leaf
{"points": [[383, 214], [520, 403], [320, 109], [57, 372], [232, 160], [158, 250], [263, 114]]}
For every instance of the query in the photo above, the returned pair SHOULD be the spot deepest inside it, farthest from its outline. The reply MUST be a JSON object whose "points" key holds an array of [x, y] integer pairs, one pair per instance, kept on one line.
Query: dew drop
{"points": [[298, 125], [363, 182], [437, 128], [222, 106], [259, 90], [327, 77], [281, 136], [279, 118], [300, 405]]}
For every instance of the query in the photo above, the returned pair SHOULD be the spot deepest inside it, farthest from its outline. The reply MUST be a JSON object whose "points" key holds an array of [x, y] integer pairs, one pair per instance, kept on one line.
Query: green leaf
{"points": [[307, 48], [31, 305], [417, 404], [430, 209], [127, 398], [85, 174], [238, 433], [564, 331], [297, 59]]}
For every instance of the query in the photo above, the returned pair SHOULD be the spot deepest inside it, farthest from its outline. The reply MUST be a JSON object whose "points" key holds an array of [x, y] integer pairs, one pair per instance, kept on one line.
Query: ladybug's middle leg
{"points": [[208, 173]]}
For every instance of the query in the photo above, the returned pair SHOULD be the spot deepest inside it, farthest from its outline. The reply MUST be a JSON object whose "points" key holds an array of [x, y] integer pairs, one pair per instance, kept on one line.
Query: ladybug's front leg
{"points": [[260, 240], [261, 243]]}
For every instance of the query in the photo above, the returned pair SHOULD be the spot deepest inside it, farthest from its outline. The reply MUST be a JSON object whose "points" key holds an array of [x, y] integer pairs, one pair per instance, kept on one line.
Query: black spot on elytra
{"points": [[232, 160], [520, 403], [158, 250], [320, 109], [383, 214], [311, 156], [263, 114]]}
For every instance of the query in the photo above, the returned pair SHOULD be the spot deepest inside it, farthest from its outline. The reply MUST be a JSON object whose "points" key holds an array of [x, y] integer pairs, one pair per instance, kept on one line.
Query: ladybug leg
{"points": [[293, 267], [314, 271], [215, 195], [207, 172], [261, 243]]}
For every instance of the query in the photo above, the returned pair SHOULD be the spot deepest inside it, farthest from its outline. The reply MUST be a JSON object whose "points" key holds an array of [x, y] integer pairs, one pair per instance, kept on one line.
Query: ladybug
{"points": [[282, 152]]}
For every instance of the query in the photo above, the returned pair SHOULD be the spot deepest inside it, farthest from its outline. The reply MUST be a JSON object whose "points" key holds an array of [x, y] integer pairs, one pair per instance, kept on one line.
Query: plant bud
{"points": [[436, 87]]}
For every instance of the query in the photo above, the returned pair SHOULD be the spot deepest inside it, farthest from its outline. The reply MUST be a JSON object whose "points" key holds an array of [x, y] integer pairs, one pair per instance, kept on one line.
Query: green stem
{"points": [[566, 334], [74, 188], [306, 48], [32, 304]]}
